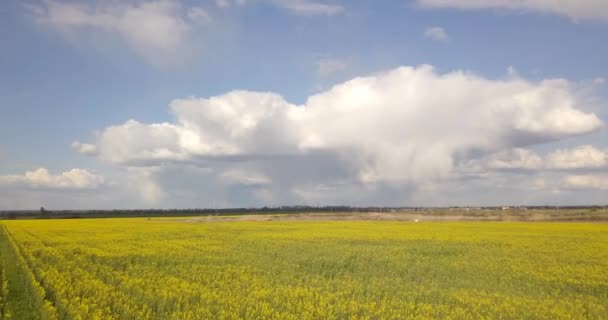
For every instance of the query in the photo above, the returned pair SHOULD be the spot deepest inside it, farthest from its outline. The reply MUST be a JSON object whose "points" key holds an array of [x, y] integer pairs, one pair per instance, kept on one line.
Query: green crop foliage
{"points": [[172, 269]]}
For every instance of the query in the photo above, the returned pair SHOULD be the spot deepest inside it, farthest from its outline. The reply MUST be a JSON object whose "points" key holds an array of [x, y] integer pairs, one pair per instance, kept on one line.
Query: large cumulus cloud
{"points": [[409, 124]]}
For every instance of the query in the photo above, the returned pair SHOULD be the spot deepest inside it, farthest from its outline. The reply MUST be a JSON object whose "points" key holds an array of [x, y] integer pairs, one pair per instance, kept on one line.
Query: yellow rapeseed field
{"points": [[172, 269]]}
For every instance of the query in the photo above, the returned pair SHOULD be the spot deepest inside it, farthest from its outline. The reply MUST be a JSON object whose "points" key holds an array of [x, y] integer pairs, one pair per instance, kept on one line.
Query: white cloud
{"points": [[574, 9], [229, 3], [159, 31], [583, 157], [84, 148], [162, 32], [405, 126], [200, 15], [155, 142], [222, 3], [599, 182], [437, 34], [41, 178], [307, 7], [299, 7]]}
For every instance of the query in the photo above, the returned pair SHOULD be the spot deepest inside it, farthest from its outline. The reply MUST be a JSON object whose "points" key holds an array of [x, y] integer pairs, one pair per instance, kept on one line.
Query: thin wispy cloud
{"points": [[41, 178], [436, 33], [158, 31], [306, 7], [585, 157], [586, 182], [298, 7], [574, 9], [161, 32], [330, 66]]}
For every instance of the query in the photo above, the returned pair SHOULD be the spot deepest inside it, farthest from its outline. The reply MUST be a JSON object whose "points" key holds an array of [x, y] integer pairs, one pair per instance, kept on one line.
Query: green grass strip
{"points": [[26, 297]]}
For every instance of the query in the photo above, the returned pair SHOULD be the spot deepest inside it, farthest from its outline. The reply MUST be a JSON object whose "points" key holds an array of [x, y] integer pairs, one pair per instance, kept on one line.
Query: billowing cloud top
{"points": [[407, 124]]}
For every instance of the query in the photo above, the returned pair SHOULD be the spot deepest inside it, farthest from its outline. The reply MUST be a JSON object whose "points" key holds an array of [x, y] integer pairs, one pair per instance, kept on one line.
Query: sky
{"points": [[249, 103]]}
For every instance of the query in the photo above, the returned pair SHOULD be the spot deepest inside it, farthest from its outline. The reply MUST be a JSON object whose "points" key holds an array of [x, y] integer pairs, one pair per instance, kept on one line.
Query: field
{"points": [[157, 268]]}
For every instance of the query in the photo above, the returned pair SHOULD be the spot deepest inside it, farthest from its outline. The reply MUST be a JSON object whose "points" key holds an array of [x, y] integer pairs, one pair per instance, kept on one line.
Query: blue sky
{"points": [[72, 73]]}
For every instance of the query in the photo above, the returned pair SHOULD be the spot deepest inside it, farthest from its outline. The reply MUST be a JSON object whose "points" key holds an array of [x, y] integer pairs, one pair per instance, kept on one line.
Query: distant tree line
{"points": [[66, 214]]}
